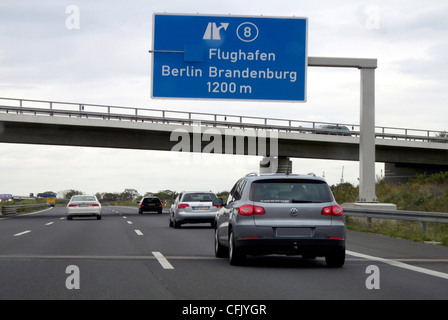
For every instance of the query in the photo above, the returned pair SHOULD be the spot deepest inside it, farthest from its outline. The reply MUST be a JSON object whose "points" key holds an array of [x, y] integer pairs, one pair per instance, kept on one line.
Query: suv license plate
{"points": [[294, 232]]}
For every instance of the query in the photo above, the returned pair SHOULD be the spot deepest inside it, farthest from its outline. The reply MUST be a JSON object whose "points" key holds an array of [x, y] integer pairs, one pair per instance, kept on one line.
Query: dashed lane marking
{"points": [[162, 260], [22, 233]]}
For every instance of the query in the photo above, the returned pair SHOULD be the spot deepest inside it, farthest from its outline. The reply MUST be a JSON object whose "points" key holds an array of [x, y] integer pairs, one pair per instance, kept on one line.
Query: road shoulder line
{"points": [[399, 264]]}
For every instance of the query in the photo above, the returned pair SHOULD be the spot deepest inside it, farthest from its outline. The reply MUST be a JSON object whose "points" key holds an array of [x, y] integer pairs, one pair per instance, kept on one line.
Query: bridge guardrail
{"points": [[107, 112]]}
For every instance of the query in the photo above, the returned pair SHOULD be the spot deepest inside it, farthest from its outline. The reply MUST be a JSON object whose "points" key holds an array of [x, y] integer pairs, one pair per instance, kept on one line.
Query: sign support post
{"points": [[367, 138], [367, 122]]}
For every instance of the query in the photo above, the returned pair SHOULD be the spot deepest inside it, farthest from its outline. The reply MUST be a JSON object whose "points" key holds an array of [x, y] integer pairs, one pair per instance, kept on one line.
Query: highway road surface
{"points": [[130, 256]]}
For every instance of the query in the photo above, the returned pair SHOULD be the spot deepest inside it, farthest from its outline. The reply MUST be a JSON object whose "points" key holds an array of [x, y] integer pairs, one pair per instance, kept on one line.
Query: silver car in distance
{"points": [[193, 207], [83, 206], [280, 214]]}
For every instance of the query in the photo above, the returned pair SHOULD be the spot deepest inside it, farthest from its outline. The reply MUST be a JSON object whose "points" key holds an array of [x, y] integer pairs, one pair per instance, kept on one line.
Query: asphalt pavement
{"points": [[127, 255]]}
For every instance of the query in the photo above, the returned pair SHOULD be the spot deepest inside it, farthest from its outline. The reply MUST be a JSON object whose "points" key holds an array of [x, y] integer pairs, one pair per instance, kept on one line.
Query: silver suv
{"points": [[280, 214]]}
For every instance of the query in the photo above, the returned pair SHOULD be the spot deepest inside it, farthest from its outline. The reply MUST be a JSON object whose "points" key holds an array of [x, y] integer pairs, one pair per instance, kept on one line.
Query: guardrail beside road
{"points": [[422, 216], [6, 210]]}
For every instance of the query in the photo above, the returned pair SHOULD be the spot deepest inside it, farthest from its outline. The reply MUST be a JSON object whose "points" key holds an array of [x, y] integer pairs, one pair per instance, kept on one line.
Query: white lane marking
{"points": [[21, 233], [31, 213], [400, 265], [162, 260], [49, 223], [129, 222], [138, 232]]}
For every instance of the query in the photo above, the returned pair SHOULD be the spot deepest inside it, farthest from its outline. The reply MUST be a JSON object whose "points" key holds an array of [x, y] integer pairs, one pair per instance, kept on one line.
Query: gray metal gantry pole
{"points": [[367, 124]]}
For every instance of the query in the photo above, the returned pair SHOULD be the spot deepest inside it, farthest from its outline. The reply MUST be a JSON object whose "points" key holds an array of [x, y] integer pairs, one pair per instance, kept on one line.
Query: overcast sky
{"points": [[105, 60]]}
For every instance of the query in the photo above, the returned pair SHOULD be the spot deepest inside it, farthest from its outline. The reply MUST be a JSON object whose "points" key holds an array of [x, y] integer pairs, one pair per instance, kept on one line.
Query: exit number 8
{"points": [[247, 32]]}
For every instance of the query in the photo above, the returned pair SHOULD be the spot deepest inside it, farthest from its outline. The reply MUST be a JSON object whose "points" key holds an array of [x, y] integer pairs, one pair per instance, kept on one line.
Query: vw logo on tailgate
{"points": [[293, 211]]}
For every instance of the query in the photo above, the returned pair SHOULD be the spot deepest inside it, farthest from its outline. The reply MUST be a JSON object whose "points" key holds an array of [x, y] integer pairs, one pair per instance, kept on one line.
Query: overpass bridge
{"points": [[93, 125]]}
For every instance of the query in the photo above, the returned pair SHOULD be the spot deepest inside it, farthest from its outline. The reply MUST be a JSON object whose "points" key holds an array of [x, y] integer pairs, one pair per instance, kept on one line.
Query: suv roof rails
{"points": [[252, 174], [311, 174]]}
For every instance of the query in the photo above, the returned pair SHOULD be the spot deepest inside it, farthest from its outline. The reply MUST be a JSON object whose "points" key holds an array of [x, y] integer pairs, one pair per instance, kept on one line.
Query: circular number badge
{"points": [[247, 32]]}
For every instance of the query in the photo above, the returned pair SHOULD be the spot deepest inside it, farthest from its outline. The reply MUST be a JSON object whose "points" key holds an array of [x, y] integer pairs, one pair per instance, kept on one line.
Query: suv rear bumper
{"points": [[294, 246]]}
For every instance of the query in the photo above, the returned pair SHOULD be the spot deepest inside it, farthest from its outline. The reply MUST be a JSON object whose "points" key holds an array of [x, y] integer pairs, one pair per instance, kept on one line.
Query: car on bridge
{"points": [[83, 206], [280, 214], [193, 207], [336, 130]]}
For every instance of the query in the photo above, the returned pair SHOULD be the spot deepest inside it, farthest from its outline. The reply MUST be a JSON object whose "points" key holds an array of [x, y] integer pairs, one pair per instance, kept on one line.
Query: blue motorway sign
{"points": [[229, 57]]}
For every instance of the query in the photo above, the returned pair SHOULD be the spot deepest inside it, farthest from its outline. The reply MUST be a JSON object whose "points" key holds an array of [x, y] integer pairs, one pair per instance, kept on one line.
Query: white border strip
{"points": [[400, 265]]}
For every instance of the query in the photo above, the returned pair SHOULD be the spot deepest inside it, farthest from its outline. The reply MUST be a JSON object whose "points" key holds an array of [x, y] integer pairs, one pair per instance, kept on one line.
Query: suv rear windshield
{"points": [[199, 197], [151, 200], [290, 190]]}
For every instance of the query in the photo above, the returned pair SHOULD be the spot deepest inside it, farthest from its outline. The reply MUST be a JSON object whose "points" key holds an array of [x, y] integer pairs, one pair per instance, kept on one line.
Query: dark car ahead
{"points": [[280, 214], [148, 204]]}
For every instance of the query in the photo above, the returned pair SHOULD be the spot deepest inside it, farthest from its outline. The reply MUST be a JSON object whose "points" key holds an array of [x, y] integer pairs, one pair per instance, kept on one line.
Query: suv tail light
{"points": [[335, 210], [249, 210], [182, 205]]}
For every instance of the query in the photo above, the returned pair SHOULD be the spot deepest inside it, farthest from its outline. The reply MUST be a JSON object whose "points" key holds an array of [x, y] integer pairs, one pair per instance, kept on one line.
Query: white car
{"points": [[83, 206]]}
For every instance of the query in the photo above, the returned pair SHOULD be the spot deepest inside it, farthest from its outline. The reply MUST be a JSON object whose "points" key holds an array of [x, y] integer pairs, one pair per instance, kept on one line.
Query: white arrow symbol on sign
{"points": [[212, 31]]}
